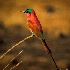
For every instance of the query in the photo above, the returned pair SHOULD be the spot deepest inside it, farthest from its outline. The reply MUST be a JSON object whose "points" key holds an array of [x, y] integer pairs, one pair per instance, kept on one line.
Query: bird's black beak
{"points": [[23, 11]]}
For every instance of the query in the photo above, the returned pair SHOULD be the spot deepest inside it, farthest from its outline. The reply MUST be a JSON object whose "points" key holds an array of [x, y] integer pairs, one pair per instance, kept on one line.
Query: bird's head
{"points": [[30, 13], [28, 10]]}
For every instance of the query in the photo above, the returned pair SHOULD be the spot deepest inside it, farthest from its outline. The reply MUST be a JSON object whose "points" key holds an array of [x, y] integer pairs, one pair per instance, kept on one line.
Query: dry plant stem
{"points": [[13, 59], [16, 46], [16, 65]]}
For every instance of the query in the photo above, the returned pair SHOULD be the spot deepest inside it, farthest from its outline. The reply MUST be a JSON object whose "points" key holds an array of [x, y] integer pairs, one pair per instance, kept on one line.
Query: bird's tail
{"points": [[49, 52], [46, 47]]}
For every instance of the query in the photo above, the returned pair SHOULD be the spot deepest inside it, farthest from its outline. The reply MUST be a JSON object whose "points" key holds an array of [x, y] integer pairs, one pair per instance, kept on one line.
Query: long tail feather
{"points": [[46, 47], [54, 62], [49, 52]]}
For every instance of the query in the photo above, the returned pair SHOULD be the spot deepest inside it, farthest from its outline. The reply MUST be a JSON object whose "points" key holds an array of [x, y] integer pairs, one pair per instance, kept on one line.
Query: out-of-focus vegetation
{"points": [[54, 16]]}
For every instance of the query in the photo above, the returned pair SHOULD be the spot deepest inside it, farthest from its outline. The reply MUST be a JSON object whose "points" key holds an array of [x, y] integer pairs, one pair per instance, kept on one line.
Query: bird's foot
{"points": [[33, 34]]}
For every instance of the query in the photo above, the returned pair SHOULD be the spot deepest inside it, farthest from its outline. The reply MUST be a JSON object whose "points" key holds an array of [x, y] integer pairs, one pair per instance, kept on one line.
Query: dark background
{"points": [[54, 16]]}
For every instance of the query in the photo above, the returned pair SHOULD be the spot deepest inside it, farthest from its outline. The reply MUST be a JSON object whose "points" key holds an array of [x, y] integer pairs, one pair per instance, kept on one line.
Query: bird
{"points": [[35, 27], [36, 30]]}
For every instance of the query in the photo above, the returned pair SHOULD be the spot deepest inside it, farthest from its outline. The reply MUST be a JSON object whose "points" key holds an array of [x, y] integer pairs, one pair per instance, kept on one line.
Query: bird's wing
{"points": [[34, 28]]}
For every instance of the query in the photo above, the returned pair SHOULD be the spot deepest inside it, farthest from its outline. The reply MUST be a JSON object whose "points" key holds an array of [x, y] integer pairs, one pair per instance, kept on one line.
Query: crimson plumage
{"points": [[35, 27]]}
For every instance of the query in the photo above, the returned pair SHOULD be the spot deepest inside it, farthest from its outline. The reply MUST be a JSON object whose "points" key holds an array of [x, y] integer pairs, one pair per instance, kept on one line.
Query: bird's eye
{"points": [[28, 11]]}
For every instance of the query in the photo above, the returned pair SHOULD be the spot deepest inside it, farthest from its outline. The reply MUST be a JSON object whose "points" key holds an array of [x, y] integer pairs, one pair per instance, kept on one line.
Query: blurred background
{"points": [[54, 16]]}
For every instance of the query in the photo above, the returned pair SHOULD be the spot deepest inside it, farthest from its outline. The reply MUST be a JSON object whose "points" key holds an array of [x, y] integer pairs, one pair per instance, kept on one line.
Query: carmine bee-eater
{"points": [[35, 26], [36, 29]]}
